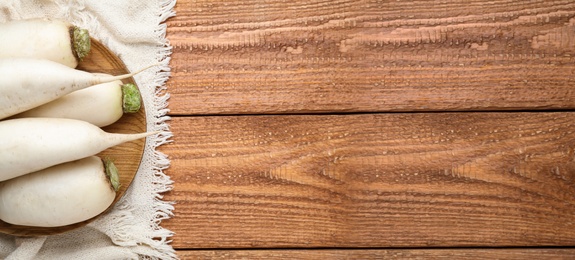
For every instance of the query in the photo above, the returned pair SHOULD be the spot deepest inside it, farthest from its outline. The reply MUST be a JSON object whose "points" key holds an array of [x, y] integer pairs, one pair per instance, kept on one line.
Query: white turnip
{"points": [[31, 144], [101, 105], [28, 83], [61, 195], [51, 39]]}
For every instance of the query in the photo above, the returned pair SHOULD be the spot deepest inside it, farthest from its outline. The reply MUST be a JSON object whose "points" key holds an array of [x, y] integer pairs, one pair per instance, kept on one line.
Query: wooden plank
{"points": [[254, 57], [471, 254], [373, 180]]}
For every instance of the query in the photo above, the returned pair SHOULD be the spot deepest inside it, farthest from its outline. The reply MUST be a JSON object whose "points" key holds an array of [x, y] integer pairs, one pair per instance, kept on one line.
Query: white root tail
{"points": [[35, 82], [32, 144]]}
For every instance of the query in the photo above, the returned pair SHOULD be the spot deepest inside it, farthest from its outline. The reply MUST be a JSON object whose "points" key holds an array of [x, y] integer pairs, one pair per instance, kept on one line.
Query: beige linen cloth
{"points": [[133, 30]]}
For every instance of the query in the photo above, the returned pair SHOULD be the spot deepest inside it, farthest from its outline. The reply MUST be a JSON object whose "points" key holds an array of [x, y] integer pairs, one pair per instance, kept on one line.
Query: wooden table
{"points": [[372, 129]]}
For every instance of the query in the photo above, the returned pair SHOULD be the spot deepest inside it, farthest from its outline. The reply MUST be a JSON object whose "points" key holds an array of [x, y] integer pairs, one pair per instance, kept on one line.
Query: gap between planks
{"points": [[458, 253]]}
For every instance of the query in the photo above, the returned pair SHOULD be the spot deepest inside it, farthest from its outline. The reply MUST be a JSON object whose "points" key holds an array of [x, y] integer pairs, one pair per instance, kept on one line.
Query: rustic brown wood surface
{"points": [[399, 180], [363, 126], [237, 57]]}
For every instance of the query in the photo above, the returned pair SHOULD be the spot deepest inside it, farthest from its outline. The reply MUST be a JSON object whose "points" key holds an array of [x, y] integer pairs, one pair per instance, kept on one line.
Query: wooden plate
{"points": [[126, 157]]}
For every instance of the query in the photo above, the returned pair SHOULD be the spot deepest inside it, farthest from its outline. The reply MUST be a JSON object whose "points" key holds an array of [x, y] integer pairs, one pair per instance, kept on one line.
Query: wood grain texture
{"points": [[373, 180], [272, 56], [462, 254]]}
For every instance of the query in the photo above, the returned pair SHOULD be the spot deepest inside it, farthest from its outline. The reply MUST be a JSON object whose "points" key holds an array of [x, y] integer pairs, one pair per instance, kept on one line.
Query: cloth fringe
{"points": [[158, 237], [153, 243]]}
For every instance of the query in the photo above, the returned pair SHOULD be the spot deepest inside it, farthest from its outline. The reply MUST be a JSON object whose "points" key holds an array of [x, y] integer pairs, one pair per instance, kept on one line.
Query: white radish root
{"points": [[28, 83], [52, 39], [31, 144], [61, 195], [101, 105]]}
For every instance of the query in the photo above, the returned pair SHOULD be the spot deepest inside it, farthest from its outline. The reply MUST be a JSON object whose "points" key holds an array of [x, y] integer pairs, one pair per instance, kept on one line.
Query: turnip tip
{"points": [[82, 42], [131, 99], [112, 174]]}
